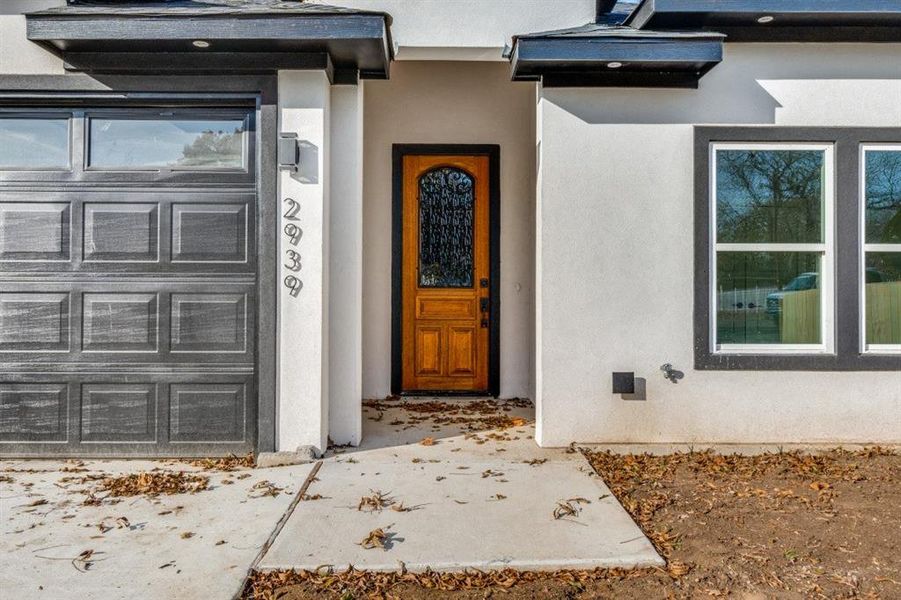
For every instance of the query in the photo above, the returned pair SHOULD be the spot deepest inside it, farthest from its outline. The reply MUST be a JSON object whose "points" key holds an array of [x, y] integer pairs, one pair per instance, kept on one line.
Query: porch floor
{"points": [[464, 486]]}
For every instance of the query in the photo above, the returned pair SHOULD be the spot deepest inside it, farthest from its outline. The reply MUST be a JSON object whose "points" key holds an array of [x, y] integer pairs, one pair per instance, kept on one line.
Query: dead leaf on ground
{"points": [[186, 535], [427, 441], [375, 539], [83, 561], [375, 501], [569, 507], [264, 488]]}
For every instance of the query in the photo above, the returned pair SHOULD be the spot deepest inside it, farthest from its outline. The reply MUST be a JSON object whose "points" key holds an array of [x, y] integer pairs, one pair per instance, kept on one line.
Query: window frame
{"points": [[846, 354], [826, 249], [865, 348]]}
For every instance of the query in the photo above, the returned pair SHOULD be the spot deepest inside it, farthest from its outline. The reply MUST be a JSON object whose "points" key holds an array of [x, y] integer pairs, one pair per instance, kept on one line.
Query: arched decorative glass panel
{"points": [[446, 212]]}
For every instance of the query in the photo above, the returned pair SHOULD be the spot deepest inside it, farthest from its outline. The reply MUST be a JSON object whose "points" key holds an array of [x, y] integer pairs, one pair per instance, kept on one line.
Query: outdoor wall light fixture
{"points": [[765, 19], [288, 151], [671, 374], [614, 65], [201, 44]]}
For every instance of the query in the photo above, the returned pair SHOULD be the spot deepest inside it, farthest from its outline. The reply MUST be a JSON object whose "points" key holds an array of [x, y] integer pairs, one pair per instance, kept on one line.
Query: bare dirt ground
{"points": [[786, 525]]}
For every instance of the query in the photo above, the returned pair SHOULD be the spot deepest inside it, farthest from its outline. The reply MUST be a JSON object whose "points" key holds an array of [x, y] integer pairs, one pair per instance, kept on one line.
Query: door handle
{"points": [[485, 304]]}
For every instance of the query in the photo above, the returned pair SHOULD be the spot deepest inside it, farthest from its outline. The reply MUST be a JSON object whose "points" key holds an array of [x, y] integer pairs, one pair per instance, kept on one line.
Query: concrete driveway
{"points": [[170, 546]]}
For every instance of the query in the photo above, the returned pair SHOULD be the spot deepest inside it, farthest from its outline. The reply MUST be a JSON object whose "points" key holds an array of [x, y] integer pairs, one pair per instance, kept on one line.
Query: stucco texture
{"points": [[615, 255], [450, 103]]}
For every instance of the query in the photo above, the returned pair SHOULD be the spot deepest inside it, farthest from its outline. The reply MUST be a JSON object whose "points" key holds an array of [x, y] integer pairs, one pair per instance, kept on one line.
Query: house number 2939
{"points": [[293, 233]]}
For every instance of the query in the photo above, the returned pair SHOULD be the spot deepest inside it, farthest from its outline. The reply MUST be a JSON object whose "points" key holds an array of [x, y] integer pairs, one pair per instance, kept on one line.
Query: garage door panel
{"points": [[33, 412], [207, 412], [119, 412], [35, 231], [116, 232], [35, 321], [120, 322], [185, 323], [209, 323], [209, 233], [129, 414], [92, 231]]}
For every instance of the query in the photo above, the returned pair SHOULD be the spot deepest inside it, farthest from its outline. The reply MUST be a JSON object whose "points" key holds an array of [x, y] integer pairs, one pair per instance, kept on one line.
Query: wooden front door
{"points": [[445, 273]]}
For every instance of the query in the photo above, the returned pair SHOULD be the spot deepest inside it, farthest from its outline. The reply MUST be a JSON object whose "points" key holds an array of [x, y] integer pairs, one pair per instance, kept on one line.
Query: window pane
{"points": [[769, 196], [174, 143], [883, 298], [446, 206], [34, 143], [883, 197], [768, 298]]}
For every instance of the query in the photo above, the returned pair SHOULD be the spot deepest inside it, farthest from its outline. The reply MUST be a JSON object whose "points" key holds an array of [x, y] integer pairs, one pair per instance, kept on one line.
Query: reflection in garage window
{"points": [[167, 143], [34, 143]]}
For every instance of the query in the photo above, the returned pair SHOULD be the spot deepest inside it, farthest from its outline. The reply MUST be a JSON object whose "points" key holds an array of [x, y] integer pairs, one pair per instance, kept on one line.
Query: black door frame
{"points": [[493, 152], [261, 92]]}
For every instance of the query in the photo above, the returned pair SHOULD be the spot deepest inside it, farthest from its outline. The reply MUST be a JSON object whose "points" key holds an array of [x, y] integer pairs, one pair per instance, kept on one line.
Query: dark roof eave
{"points": [[354, 40], [794, 21], [659, 61]]}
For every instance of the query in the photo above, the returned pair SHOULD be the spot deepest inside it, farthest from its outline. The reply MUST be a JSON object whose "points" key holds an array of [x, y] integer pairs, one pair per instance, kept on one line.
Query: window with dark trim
{"points": [[797, 248]]}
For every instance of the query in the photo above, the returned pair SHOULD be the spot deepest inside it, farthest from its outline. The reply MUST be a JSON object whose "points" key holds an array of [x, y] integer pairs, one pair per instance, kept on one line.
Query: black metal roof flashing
{"points": [[213, 36], [776, 20], [598, 55]]}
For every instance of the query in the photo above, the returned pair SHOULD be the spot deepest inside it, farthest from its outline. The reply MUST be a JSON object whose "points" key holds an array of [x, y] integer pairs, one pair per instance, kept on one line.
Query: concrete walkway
{"points": [[181, 546], [468, 497]]}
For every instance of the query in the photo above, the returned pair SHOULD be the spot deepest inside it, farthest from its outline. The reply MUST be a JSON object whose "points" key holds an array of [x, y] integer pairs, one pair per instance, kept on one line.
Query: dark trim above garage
{"points": [[600, 56], [776, 20], [252, 35]]}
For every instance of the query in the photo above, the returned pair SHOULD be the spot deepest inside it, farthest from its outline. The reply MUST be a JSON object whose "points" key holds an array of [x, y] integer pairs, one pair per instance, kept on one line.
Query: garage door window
{"points": [[167, 143], [34, 143]]}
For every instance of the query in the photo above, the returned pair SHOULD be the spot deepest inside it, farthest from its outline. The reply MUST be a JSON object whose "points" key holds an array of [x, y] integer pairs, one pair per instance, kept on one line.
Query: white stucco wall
{"points": [[302, 407], [346, 265], [18, 56], [615, 255], [447, 103], [469, 29]]}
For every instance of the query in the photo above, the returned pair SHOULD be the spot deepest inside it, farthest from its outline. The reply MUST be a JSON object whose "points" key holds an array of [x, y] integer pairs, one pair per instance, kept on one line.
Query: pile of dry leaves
{"points": [[478, 415], [398, 584], [154, 483], [228, 463]]}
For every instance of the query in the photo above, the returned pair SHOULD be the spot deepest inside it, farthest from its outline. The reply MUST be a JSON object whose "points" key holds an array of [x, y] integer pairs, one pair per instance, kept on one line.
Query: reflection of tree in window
{"points": [[769, 196], [214, 148], [883, 184]]}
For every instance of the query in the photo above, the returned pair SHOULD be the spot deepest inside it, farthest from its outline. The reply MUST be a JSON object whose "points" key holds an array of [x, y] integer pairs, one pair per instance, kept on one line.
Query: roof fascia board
{"points": [[232, 27], [663, 14]]}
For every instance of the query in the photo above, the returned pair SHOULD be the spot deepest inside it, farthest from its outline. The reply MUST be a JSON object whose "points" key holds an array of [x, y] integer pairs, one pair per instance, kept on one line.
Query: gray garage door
{"points": [[128, 278]]}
